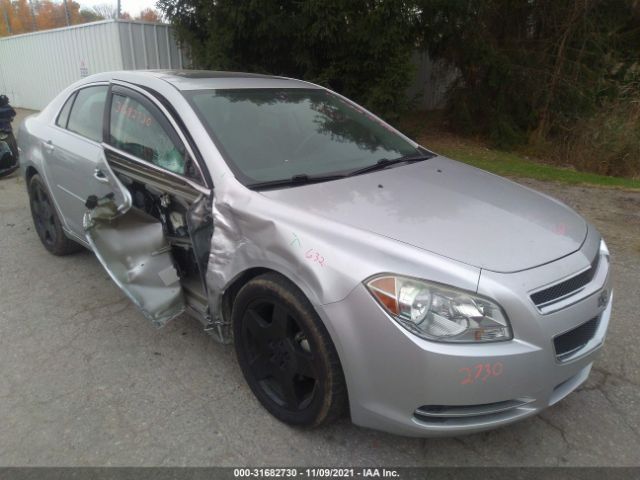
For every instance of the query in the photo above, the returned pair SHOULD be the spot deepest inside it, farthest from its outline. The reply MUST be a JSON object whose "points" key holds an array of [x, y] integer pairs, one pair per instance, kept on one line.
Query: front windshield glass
{"points": [[275, 134]]}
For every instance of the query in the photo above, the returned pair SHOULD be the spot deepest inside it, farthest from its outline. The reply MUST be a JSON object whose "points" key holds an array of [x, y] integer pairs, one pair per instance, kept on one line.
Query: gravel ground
{"points": [[87, 381]]}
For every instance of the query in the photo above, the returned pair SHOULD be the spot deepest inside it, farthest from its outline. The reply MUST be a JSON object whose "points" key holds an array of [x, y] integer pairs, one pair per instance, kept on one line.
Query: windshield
{"points": [[277, 134]]}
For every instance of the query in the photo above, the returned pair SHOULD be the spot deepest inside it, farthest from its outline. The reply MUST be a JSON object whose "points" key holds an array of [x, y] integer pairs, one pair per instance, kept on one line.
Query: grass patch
{"points": [[512, 164]]}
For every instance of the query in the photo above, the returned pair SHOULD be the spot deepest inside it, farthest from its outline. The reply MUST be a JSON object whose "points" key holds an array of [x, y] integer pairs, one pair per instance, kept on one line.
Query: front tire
{"points": [[286, 354], [46, 221]]}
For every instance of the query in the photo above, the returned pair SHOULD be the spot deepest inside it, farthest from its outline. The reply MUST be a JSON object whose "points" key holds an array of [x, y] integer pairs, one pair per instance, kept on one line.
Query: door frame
{"points": [[195, 191], [168, 119]]}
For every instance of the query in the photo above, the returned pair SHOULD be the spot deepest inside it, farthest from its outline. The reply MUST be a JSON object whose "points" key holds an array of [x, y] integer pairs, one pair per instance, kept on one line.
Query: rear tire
{"points": [[286, 354], [46, 220]]}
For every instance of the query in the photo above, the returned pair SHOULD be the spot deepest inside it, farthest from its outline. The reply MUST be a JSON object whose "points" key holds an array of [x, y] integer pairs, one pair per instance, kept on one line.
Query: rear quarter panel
{"points": [[29, 134]]}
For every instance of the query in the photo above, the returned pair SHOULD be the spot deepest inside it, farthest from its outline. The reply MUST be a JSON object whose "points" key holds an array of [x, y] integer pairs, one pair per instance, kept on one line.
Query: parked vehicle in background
{"points": [[8, 145], [351, 267]]}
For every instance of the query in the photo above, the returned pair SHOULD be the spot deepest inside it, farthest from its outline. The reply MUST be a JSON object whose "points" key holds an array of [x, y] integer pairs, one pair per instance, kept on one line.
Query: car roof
{"points": [[204, 79]]}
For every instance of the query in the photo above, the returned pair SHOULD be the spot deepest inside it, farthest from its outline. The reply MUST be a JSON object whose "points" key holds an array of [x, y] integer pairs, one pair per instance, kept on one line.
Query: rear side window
{"points": [[143, 134], [87, 113], [63, 117]]}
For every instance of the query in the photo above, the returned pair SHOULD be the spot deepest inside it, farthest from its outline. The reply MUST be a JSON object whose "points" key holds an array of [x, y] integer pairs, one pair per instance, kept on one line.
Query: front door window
{"points": [[135, 130]]}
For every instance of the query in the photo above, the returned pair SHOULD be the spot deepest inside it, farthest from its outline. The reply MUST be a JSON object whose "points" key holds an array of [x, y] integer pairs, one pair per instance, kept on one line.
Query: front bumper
{"points": [[405, 385]]}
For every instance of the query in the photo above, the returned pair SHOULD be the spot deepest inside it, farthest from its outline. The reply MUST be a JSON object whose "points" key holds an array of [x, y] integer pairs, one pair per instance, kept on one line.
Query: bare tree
{"points": [[106, 10]]}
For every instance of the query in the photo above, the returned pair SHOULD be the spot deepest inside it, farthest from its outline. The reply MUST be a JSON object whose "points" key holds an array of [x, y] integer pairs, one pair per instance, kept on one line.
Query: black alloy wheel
{"points": [[46, 221], [43, 216], [286, 354], [279, 354]]}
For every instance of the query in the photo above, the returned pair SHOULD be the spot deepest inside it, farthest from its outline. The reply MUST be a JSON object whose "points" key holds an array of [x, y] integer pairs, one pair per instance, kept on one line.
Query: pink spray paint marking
{"points": [[314, 256], [480, 372]]}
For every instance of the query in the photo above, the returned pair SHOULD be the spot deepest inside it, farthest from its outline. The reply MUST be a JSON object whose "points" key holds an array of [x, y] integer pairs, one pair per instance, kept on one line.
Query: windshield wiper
{"points": [[296, 180], [385, 162], [304, 179]]}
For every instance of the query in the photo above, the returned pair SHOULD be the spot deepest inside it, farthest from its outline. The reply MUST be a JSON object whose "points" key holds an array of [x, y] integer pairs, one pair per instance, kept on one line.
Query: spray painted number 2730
{"points": [[480, 372]]}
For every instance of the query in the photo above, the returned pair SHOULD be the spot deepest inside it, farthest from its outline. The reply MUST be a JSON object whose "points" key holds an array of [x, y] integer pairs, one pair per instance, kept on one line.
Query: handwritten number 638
{"points": [[480, 372]]}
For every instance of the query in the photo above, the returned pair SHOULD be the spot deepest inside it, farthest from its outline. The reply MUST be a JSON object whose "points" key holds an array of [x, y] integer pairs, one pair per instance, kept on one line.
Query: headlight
{"points": [[440, 313]]}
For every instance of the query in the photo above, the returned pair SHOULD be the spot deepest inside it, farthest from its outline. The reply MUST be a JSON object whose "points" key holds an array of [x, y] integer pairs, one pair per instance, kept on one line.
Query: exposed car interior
{"points": [[184, 214], [150, 160]]}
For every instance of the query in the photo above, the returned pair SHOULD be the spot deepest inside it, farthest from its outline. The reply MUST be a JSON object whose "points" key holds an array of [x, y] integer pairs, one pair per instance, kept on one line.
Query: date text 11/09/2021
{"points": [[315, 472]]}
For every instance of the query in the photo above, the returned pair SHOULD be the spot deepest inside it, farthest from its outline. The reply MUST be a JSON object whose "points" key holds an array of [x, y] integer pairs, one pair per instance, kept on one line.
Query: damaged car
{"points": [[352, 269]]}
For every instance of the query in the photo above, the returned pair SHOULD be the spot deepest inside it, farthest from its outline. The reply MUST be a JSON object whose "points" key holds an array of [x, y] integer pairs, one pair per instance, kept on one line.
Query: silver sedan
{"points": [[353, 269]]}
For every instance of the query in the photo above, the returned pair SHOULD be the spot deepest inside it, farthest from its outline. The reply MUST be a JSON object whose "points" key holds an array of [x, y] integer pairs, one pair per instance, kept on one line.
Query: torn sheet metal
{"points": [[200, 227], [132, 248]]}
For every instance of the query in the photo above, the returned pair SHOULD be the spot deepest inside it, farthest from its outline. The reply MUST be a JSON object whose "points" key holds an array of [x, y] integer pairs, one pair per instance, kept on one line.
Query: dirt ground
{"points": [[86, 380]]}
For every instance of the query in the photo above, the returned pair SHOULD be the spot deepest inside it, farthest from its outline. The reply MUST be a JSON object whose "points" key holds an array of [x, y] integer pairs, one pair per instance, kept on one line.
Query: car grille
{"points": [[574, 340], [566, 287]]}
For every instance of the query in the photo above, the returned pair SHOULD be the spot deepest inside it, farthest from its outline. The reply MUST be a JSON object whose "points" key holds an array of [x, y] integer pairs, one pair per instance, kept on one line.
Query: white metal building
{"points": [[34, 67]]}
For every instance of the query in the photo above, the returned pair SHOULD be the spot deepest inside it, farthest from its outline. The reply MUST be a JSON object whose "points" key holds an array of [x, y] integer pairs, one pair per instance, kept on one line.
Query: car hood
{"points": [[450, 209]]}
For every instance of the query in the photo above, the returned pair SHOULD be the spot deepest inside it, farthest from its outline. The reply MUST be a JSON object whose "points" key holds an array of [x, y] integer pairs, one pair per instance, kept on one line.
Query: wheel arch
{"points": [[305, 282], [234, 286], [29, 172]]}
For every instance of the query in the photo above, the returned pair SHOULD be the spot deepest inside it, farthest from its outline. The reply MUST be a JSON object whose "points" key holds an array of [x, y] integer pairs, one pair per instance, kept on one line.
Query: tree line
{"points": [[563, 74], [24, 16]]}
